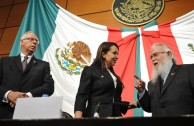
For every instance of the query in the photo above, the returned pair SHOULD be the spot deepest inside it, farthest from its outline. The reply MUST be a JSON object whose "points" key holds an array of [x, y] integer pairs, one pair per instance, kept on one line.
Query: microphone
{"points": [[127, 104], [97, 108], [45, 95], [121, 104], [96, 112]]}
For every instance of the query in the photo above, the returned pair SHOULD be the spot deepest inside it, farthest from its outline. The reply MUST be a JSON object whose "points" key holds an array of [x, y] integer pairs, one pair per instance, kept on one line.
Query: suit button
{"points": [[162, 106]]}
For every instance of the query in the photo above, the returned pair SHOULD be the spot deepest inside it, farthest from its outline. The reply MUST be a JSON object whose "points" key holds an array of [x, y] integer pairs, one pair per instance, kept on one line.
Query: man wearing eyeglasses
{"points": [[171, 90], [23, 76]]}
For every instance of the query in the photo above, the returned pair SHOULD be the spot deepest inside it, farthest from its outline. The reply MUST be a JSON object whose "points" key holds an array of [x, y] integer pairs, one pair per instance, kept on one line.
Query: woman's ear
{"points": [[103, 54]]}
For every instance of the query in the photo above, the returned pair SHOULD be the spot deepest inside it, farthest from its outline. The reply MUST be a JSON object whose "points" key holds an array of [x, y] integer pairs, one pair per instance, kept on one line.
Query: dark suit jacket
{"points": [[97, 86], [175, 97], [36, 79]]}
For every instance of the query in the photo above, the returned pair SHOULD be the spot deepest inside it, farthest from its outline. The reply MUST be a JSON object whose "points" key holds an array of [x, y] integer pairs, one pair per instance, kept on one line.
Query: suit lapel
{"points": [[158, 88], [108, 76], [18, 62], [32, 62], [170, 77]]}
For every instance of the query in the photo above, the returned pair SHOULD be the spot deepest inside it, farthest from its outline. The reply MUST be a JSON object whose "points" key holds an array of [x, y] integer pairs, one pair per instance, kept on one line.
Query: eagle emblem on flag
{"points": [[74, 57]]}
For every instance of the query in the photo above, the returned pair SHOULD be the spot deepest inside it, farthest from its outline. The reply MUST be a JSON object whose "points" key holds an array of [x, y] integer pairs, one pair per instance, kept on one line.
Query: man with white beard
{"points": [[171, 90]]}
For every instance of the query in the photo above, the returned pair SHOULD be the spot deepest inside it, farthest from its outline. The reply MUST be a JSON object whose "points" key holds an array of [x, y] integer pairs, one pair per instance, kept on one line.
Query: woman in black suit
{"points": [[100, 87]]}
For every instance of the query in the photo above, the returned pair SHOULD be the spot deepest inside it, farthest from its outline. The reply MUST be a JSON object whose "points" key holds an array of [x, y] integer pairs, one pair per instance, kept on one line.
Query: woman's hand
{"points": [[78, 114], [134, 104]]}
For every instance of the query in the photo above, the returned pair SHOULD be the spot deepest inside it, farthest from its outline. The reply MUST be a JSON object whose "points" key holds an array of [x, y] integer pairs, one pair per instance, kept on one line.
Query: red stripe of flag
{"points": [[125, 66]]}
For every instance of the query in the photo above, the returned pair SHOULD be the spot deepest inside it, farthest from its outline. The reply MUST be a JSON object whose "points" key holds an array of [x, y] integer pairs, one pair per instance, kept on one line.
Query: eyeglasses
{"points": [[32, 40], [155, 54]]}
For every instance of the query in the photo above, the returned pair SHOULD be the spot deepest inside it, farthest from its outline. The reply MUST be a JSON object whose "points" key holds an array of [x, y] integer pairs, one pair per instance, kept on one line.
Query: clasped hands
{"points": [[14, 95]]}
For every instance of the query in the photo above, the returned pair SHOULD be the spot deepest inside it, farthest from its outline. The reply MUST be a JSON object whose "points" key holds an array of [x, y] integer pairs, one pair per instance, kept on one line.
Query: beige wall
{"points": [[96, 11]]}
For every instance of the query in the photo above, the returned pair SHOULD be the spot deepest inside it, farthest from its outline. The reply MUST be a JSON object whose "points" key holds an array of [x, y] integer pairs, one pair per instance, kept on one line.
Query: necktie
{"points": [[24, 63], [161, 83]]}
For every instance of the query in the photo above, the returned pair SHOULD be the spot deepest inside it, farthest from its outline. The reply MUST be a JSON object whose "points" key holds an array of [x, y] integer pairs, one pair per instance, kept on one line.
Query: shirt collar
{"points": [[29, 57]]}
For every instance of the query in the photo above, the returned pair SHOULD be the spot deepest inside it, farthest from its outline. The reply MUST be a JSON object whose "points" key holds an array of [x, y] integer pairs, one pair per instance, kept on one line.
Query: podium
{"points": [[131, 121], [38, 108]]}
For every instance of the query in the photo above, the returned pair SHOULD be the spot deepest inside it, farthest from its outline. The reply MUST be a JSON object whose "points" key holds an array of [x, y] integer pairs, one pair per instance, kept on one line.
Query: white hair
{"points": [[166, 49], [25, 34]]}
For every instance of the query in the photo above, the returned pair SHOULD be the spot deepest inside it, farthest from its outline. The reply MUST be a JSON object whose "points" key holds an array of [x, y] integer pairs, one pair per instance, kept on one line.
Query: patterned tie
{"points": [[24, 63]]}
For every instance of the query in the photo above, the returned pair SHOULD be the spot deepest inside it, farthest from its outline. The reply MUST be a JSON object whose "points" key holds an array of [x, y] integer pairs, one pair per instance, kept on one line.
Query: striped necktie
{"points": [[24, 62]]}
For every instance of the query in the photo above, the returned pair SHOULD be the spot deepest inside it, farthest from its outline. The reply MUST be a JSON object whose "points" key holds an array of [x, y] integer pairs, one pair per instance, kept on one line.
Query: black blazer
{"points": [[175, 97], [97, 86], [36, 78]]}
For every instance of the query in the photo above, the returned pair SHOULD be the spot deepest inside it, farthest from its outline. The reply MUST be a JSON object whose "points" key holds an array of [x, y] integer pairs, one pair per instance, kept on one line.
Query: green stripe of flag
{"points": [[139, 111]]}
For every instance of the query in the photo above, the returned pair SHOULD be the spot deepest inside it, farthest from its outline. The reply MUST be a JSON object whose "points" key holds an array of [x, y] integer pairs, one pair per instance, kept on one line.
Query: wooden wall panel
{"points": [[174, 9], [104, 18], [80, 7], [101, 12], [8, 39], [62, 3], [5, 2], [4, 15], [20, 1], [16, 15], [4, 55], [1, 33]]}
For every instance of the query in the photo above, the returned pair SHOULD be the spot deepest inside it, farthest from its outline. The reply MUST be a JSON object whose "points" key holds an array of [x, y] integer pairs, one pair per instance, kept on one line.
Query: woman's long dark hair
{"points": [[100, 61]]}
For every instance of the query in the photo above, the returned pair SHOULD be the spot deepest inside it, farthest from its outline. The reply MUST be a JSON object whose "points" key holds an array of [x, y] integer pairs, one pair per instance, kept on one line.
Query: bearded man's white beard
{"points": [[162, 69]]}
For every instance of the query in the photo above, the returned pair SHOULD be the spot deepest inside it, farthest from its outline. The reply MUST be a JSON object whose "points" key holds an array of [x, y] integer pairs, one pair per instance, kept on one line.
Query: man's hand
{"points": [[139, 84], [14, 95]]}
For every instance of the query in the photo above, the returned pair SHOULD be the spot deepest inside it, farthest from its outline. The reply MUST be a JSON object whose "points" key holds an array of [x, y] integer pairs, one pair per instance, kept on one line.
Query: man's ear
{"points": [[21, 42], [169, 53]]}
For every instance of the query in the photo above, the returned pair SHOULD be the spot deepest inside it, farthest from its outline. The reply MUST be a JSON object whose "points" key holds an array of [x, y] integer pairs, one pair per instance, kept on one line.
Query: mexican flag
{"points": [[69, 43]]}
